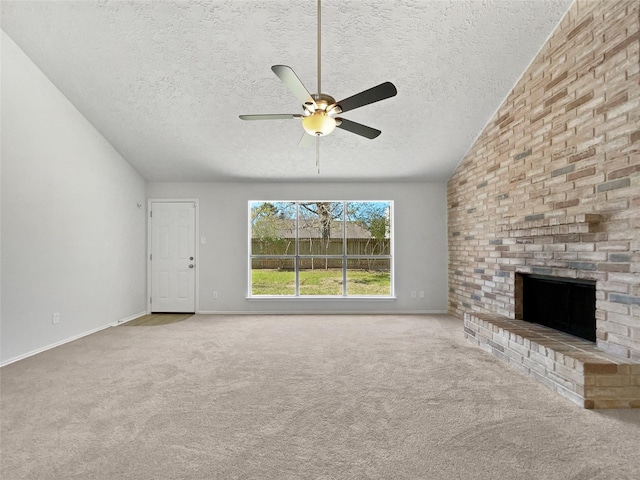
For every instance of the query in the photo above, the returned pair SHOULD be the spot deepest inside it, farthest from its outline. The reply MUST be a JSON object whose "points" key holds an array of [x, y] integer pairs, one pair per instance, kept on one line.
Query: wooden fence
{"points": [[319, 249]]}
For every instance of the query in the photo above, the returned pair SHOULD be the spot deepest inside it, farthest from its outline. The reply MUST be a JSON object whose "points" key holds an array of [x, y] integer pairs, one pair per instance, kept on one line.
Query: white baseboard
{"points": [[129, 319], [70, 339]]}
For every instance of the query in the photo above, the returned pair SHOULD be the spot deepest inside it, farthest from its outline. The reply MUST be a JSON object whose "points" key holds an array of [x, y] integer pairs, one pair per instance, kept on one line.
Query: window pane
{"points": [[320, 244], [369, 276], [320, 276], [273, 228], [273, 276], [320, 228], [368, 228]]}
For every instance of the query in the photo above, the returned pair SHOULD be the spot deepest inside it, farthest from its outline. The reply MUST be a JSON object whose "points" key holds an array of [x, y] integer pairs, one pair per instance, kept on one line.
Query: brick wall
{"points": [[552, 185]]}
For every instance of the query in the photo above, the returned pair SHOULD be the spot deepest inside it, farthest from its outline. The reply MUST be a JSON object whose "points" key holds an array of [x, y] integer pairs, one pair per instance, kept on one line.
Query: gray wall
{"points": [[73, 238], [420, 243]]}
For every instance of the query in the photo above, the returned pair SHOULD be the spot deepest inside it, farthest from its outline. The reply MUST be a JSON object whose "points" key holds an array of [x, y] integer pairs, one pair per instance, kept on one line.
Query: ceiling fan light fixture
{"points": [[319, 124]]}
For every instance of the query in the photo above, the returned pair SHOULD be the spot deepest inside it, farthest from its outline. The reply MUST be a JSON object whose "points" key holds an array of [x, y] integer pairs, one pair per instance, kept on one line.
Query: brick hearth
{"points": [[570, 366]]}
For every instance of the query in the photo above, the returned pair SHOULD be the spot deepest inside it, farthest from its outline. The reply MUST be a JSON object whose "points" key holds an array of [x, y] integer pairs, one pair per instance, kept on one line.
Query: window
{"points": [[321, 248]]}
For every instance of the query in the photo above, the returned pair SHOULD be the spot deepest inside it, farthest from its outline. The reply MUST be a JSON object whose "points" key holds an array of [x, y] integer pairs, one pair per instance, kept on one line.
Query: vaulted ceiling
{"points": [[165, 81]]}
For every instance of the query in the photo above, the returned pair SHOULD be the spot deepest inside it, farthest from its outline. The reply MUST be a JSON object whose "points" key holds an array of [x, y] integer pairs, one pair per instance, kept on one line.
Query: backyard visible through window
{"points": [[321, 248]]}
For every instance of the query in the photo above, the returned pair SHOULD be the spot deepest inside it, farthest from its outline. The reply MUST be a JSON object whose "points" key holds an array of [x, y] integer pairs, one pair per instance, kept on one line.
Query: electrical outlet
{"points": [[413, 294], [215, 295], [55, 318], [421, 294]]}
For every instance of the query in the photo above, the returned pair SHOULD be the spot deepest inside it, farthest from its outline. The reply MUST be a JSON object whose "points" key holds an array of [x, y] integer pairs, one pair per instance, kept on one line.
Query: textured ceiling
{"points": [[165, 81]]}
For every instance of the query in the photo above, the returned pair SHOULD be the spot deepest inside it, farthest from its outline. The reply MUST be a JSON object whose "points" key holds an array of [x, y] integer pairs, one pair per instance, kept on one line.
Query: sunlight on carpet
{"points": [[154, 319]]}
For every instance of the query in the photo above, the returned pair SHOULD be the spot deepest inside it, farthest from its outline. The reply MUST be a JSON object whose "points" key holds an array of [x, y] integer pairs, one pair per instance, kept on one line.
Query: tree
{"points": [[375, 218], [372, 216], [326, 213], [320, 216], [268, 222], [263, 210]]}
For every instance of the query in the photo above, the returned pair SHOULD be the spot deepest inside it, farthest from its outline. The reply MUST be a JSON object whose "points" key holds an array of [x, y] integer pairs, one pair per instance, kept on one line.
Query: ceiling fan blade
{"points": [[358, 128], [277, 116], [306, 140], [291, 80], [375, 94]]}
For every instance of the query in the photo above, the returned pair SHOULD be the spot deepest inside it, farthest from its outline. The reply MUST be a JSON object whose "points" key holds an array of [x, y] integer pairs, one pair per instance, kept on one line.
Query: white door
{"points": [[173, 251]]}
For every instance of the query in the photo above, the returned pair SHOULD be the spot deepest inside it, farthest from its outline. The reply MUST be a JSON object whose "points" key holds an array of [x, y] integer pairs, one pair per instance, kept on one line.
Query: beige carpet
{"points": [[298, 397]]}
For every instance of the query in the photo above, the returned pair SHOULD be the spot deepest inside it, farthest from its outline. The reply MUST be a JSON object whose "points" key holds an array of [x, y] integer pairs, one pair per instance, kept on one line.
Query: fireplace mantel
{"points": [[538, 226]]}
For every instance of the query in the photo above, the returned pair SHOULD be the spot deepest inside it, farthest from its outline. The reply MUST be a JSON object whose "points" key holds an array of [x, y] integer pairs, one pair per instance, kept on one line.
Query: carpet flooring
{"points": [[298, 397]]}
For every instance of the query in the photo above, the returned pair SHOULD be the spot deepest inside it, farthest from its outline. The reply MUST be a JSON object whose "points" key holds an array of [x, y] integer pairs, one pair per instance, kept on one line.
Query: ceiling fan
{"points": [[320, 112]]}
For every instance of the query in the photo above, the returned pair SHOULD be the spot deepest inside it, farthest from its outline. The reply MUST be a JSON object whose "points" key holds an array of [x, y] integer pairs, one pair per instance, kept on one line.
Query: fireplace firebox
{"points": [[565, 304]]}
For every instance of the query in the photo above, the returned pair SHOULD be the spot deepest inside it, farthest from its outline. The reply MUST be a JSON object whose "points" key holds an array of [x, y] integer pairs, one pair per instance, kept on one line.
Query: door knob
{"points": [[191, 265]]}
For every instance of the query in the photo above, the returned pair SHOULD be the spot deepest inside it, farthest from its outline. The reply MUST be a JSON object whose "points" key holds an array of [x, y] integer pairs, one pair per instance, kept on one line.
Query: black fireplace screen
{"points": [[566, 304]]}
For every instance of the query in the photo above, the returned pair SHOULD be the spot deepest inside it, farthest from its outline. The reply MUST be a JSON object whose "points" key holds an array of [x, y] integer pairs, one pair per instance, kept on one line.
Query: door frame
{"points": [[196, 239]]}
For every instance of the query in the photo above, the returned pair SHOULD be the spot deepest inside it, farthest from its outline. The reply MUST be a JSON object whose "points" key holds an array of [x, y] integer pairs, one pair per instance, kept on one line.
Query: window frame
{"points": [[344, 257]]}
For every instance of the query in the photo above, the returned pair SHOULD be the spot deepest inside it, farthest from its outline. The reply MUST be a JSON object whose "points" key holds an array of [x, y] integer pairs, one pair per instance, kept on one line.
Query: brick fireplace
{"points": [[551, 187]]}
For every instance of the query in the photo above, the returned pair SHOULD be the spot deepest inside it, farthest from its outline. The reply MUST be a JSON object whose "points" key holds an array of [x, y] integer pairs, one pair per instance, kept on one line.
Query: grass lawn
{"points": [[320, 282]]}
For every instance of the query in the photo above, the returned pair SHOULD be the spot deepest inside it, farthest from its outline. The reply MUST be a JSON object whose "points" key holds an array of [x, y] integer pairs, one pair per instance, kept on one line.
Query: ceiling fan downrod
{"points": [[319, 116], [319, 50]]}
